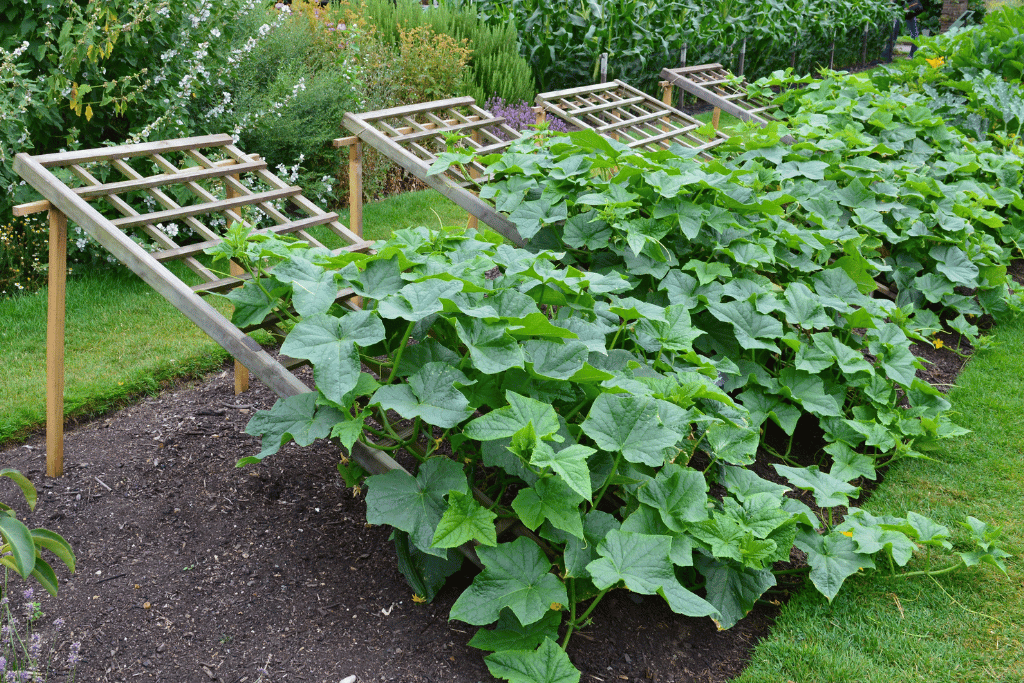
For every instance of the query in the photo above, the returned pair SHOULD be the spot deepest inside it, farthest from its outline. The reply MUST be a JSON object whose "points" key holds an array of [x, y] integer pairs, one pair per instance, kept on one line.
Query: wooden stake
{"points": [[57, 272], [715, 115], [604, 67], [241, 372], [474, 223], [355, 188]]}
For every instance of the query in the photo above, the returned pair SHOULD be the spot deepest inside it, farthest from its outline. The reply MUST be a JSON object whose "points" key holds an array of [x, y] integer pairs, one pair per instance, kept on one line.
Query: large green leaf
{"points": [[463, 521], [570, 463], [546, 664], [382, 278], [733, 590], [505, 422], [828, 491], [18, 541], [27, 489], [556, 360], [509, 634], [750, 327], [330, 345], [679, 494], [313, 288], [833, 558], [550, 499], [516, 575], [415, 504], [630, 424], [809, 391], [430, 394], [252, 303], [735, 445], [492, 349], [417, 300], [295, 418]]}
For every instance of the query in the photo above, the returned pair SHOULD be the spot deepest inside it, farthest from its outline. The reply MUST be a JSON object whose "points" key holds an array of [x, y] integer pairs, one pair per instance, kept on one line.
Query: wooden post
{"points": [[832, 56], [743, 56], [604, 67], [540, 115], [474, 222], [57, 272], [241, 372], [682, 64], [355, 187], [715, 115]]}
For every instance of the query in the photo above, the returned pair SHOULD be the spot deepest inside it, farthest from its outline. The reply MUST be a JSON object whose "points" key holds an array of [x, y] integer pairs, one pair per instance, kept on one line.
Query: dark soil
{"points": [[190, 569]]}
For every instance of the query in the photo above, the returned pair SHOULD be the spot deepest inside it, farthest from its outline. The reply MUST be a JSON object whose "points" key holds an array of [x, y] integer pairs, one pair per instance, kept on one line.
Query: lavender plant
{"points": [[521, 116]]}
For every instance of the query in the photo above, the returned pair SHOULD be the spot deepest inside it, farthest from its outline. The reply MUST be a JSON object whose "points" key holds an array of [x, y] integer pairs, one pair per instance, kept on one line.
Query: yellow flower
{"points": [[938, 343], [936, 63], [848, 534]]}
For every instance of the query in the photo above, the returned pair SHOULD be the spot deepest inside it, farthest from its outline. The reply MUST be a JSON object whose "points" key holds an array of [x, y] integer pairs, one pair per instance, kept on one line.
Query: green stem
{"points": [[617, 333], [401, 350], [615, 468], [577, 408], [583, 617], [929, 572], [571, 585]]}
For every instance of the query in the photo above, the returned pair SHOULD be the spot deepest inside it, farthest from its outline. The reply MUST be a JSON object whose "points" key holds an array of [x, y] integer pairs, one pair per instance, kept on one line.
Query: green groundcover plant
{"points": [[616, 395]]}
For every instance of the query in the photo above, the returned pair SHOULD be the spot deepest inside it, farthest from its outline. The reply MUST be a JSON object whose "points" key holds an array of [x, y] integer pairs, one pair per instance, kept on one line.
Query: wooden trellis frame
{"points": [[714, 84], [413, 136], [64, 202], [618, 110]]}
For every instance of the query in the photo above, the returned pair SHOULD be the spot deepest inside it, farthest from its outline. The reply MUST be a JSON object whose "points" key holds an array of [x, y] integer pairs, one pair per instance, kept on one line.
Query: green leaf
{"points": [[679, 494], [832, 558], [581, 552], [802, 308], [733, 590], [735, 445], [27, 489], [424, 573], [546, 664], [749, 326], [18, 540], [570, 463], [313, 289], [463, 521], [509, 634], [430, 394], [556, 360], [515, 575], [505, 422], [55, 543], [252, 305], [642, 563], [809, 391], [415, 504], [382, 278], [956, 265], [848, 359], [744, 483], [491, 348], [295, 418], [828, 491], [417, 300], [630, 424], [586, 231], [550, 499], [330, 345], [676, 332]]}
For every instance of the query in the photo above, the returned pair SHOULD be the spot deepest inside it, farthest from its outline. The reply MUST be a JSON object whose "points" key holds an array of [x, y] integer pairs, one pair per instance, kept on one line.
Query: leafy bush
{"points": [[20, 546], [495, 67], [23, 245]]}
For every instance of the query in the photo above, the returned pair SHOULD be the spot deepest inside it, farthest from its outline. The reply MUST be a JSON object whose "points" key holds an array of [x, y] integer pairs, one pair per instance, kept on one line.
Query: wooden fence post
{"points": [[57, 272], [864, 46], [743, 57], [682, 64], [832, 56], [241, 372], [604, 67], [355, 187]]}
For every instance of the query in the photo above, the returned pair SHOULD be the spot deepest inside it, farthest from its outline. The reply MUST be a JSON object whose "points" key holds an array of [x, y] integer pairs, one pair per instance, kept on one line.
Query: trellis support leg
{"points": [[241, 372], [474, 222], [57, 272], [355, 188], [715, 116]]}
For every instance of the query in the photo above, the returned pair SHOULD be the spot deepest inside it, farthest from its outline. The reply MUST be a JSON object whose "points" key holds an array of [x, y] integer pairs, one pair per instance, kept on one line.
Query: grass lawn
{"points": [[967, 626], [118, 347]]}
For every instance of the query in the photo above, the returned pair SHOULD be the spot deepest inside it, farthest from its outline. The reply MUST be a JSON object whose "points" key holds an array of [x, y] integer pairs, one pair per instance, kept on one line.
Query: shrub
{"points": [[23, 244]]}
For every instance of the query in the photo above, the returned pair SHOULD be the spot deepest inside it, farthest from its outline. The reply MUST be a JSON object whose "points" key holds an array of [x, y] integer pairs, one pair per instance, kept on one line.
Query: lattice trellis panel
{"points": [[633, 117], [164, 189], [413, 136], [714, 84]]}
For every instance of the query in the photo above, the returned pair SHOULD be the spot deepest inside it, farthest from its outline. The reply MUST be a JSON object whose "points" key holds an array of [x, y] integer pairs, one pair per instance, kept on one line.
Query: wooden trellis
{"points": [[634, 118], [714, 84], [413, 136], [175, 175]]}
